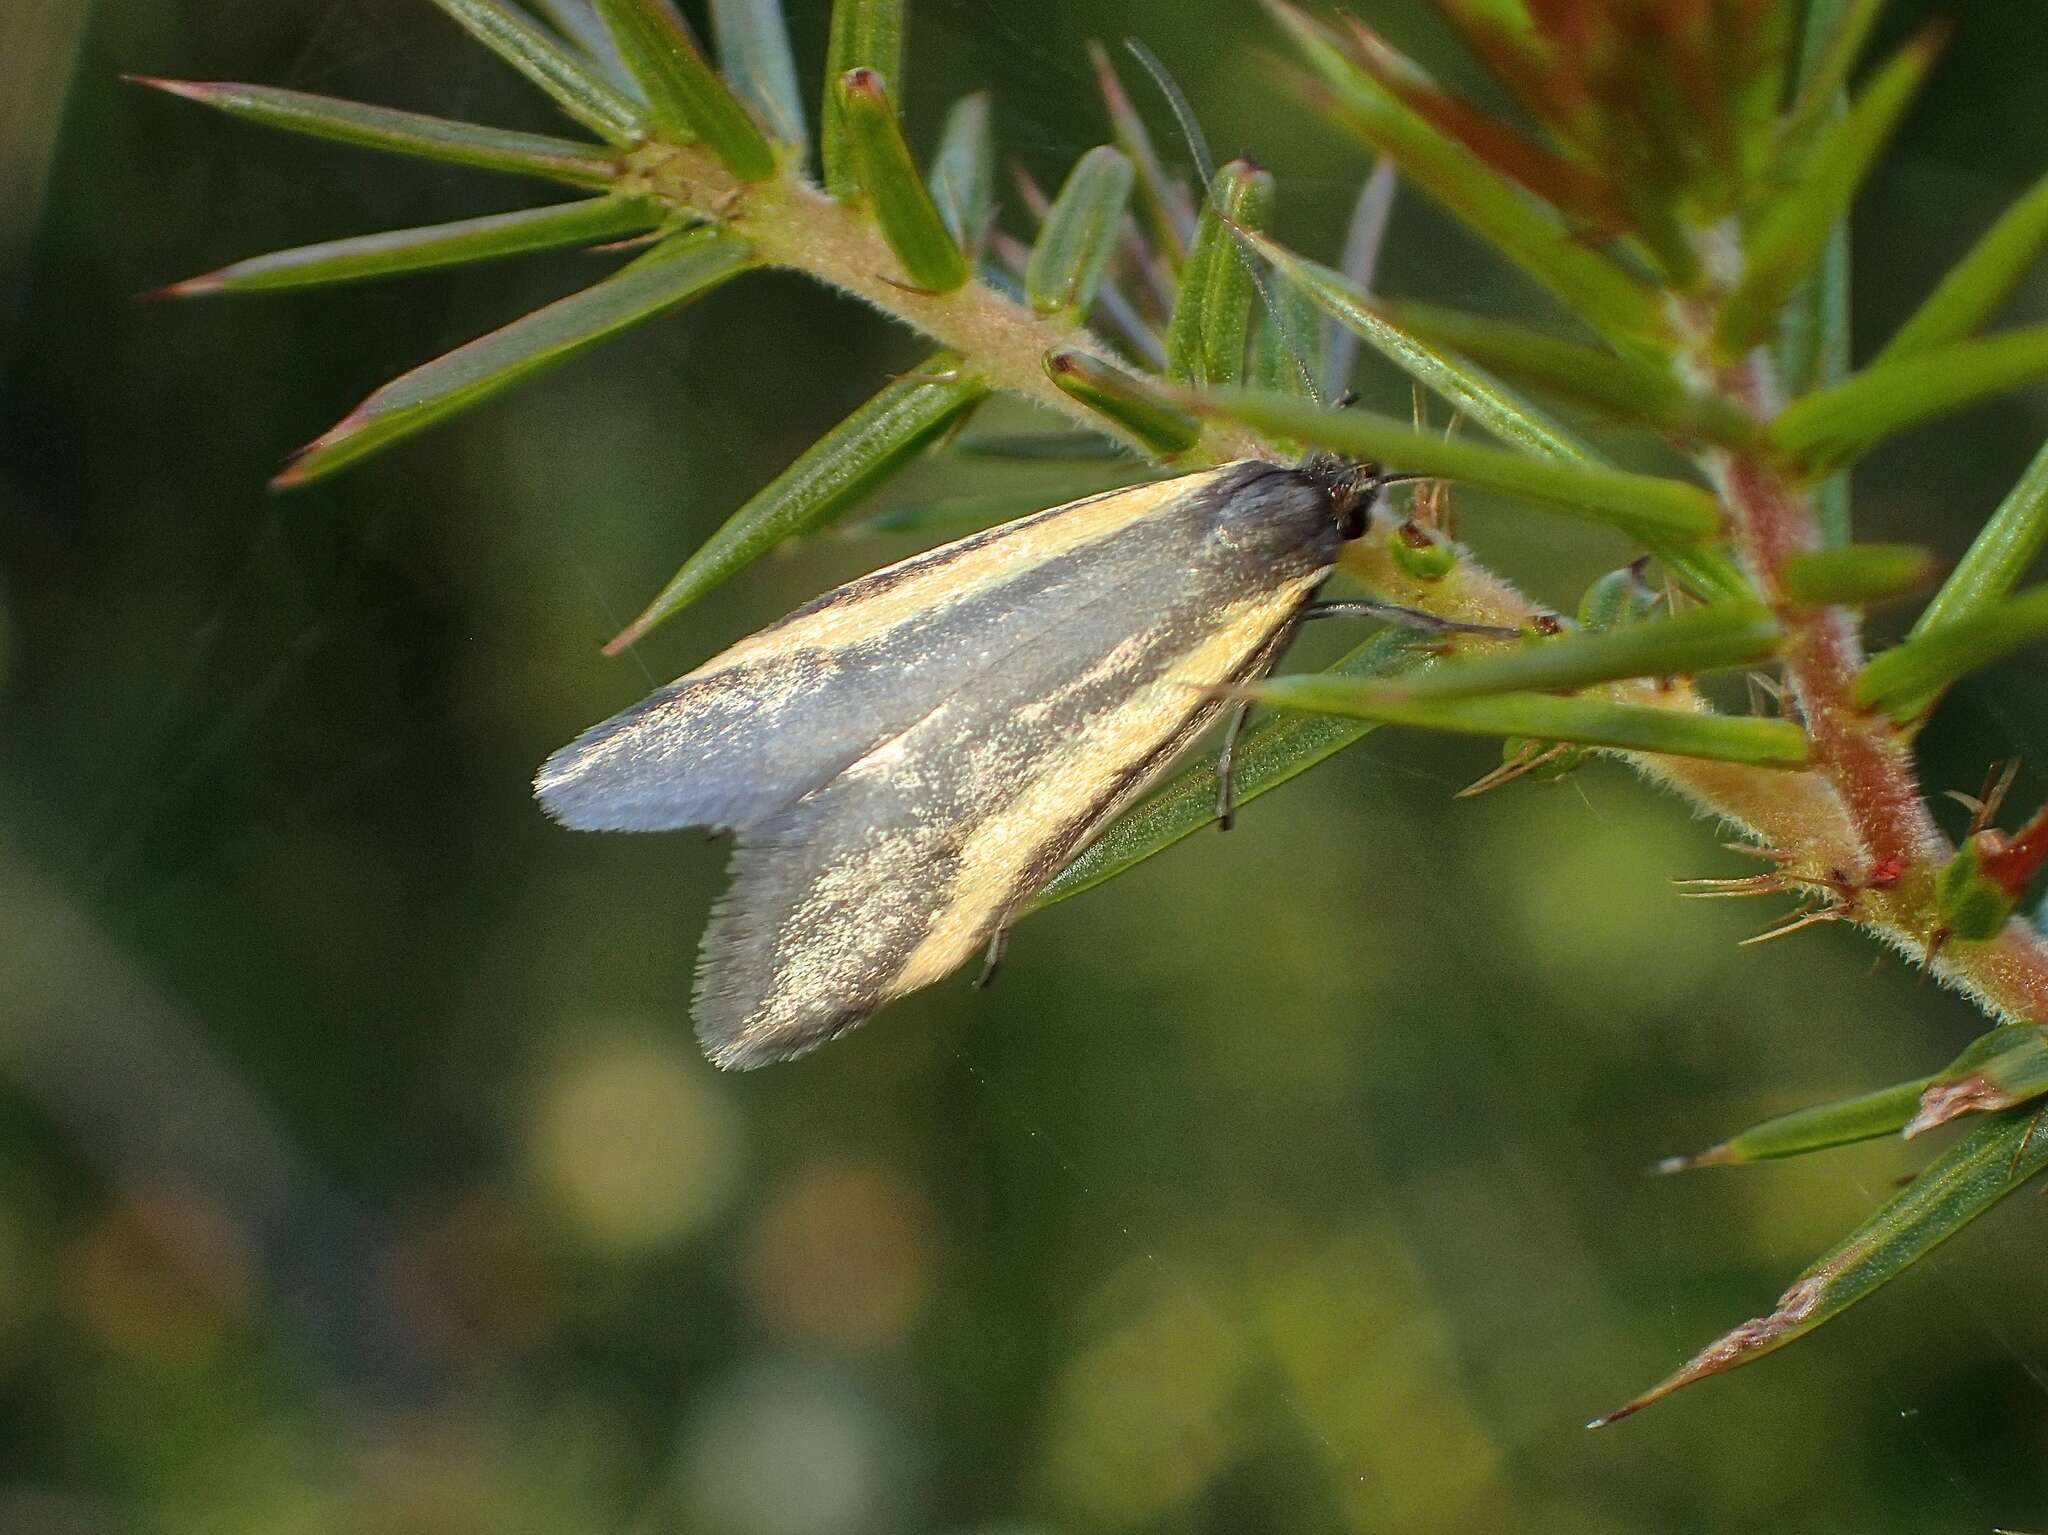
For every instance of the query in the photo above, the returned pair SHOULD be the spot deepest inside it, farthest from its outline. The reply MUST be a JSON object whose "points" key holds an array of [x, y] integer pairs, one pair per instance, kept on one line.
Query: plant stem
{"points": [[1866, 757], [1885, 872], [793, 224]]}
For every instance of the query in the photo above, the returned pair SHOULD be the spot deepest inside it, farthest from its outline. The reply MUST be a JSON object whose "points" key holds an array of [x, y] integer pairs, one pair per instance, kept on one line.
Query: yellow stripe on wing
{"points": [[1032, 541], [1071, 787]]}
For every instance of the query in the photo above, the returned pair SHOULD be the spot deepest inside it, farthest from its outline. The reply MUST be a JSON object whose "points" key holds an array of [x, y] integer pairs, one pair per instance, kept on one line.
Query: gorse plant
{"points": [[1678, 179]]}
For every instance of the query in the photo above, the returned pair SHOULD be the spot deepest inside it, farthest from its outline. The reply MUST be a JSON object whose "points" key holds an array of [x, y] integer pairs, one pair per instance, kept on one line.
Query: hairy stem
{"points": [[795, 225], [1885, 875], [1866, 757]]}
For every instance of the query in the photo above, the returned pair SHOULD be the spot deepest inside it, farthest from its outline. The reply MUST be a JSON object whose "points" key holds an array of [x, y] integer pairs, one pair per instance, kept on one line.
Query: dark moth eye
{"points": [[1356, 514]]}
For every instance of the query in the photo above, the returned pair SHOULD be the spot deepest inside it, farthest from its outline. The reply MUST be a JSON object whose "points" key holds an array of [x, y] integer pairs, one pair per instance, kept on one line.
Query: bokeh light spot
{"points": [[842, 1256], [1143, 1415], [632, 1142], [160, 1275], [783, 1450], [1596, 902]]}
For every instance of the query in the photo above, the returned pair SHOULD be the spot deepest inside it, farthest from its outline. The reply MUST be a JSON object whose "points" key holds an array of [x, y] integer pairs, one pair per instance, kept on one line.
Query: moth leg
{"points": [[1226, 767], [1407, 618], [993, 960]]}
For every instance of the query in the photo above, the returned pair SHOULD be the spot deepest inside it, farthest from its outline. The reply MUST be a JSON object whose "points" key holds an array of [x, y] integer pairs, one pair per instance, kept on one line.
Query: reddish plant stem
{"points": [[1864, 755]]}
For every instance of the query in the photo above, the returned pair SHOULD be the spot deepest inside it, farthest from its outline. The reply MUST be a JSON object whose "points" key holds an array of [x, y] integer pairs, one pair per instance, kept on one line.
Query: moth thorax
{"points": [[1351, 485]]}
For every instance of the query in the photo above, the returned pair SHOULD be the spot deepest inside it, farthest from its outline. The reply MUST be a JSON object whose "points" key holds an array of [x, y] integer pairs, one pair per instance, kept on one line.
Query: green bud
{"points": [[895, 191], [1557, 762], [1287, 347], [1212, 317], [1079, 235], [1420, 553], [865, 34], [963, 173], [1973, 905], [1142, 411], [1619, 597]]}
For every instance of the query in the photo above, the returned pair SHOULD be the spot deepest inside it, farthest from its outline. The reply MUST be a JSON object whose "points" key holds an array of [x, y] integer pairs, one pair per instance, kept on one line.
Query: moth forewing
{"points": [[1080, 785], [784, 710], [908, 759]]}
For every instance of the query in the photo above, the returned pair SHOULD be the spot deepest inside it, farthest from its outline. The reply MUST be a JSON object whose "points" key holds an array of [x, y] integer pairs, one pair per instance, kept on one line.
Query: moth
{"points": [[907, 760]]}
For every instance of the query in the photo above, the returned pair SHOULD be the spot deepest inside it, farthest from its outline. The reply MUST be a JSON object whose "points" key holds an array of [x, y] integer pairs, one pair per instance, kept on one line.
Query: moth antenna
{"points": [[1380, 482], [1177, 101], [1205, 167]]}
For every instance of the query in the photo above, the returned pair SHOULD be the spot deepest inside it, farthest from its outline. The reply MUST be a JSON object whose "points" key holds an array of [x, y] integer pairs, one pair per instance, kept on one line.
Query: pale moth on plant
{"points": [[1682, 194]]}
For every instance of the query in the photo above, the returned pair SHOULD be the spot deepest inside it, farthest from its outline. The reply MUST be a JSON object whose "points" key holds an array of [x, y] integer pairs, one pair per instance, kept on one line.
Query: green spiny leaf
{"points": [[754, 52], [1645, 504], [571, 83], [1275, 749], [1628, 388], [1506, 37], [1843, 1123], [1813, 353], [683, 92], [1834, 35], [866, 34], [1788, 46], [964, 172], [1979, 283], [834, 475], [403, 133], [416, 250], [1702, 639], [895, 191], [1842, 423], [674, 272], [1545, 716], [1856, 575], [1999, 555], [1140, 410], [577, 21], [1205, 341], [1603, 294], [1466, 389], [1079, 235], [1287, 346], [1792, 232], [1569, 185], [1903, 679], [1954, 1190]]}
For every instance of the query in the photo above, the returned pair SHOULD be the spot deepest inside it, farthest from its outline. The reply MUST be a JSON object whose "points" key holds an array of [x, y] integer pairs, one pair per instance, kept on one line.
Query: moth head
{"points": [[1351, 486]]}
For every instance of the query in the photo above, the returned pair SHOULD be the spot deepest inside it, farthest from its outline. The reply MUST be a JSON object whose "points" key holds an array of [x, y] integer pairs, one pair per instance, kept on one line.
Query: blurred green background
{"points": [[358, 1171]]}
